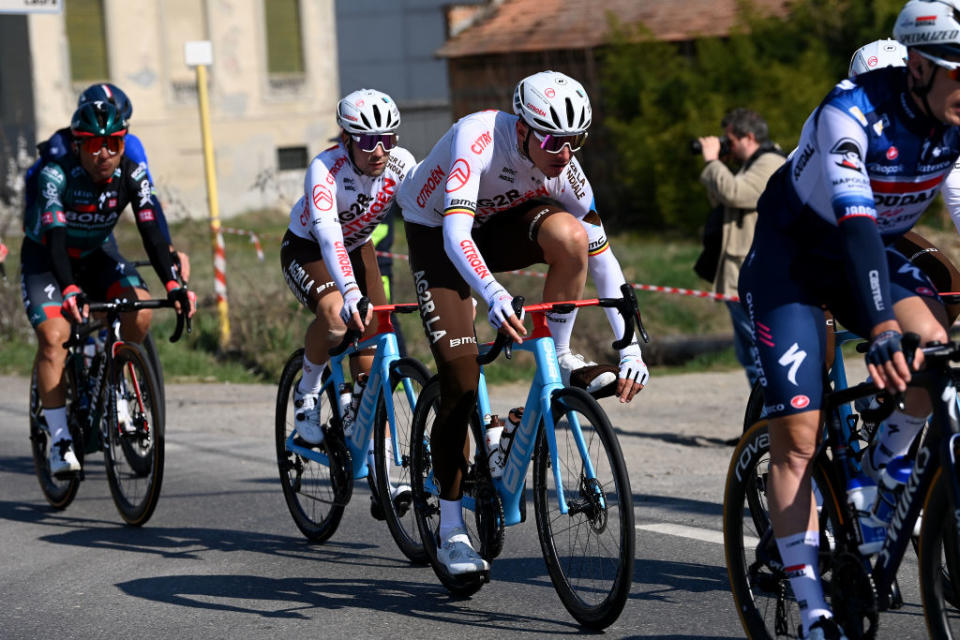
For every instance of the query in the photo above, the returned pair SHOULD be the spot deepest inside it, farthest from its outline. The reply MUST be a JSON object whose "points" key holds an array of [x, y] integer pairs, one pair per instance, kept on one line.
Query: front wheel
{"points": [[589, 545], [134, 447], [59, 493], [939, 559], [761, 589], [394, 484], [315, 492]]}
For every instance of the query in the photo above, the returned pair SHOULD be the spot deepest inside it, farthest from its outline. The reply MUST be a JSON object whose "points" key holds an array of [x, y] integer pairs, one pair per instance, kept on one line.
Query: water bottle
{"points": [[892, 479], [350, 409], [493, 427], [89, 350], [510, 429], [861, 494], [346, 397]]}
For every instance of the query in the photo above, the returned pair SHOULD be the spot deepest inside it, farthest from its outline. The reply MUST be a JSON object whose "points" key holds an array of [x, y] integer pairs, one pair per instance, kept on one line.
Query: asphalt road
{"points": [[221, 557]]}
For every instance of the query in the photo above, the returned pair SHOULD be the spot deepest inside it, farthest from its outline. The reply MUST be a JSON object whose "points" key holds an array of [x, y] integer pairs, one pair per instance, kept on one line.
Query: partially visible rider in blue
{"points": [[871, 158], [60, 143]]}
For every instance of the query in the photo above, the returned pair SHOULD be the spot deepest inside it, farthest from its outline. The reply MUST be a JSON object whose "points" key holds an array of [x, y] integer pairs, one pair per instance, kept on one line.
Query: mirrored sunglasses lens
{"points": [[368, 141], [555, 144]]}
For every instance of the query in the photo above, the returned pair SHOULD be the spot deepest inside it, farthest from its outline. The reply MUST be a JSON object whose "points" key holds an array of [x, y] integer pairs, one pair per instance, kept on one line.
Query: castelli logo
{"points": [[925, 291], [799, 402], [872, 61], [892, 153], [550, 92], [359, 104]]}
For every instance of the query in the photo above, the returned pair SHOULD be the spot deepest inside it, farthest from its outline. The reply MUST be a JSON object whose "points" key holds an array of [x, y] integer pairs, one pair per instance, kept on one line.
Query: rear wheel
{"points": [[59, 493], [150, 348], [407, 379], [134, 449], [589, 550], [317, 485], [426, 491], [761, 590]]}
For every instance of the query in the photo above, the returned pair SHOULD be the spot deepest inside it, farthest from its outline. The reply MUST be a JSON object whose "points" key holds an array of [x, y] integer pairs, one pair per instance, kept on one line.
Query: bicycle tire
{"points": [[589, 551], [426, 501], [760, 588], [402, 522], [58, 493], [939, 559], [754, 410], [134, 472], [316, 494]]}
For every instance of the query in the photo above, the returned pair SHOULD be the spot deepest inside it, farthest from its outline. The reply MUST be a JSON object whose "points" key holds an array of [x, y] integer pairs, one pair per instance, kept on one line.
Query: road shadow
{"points": [[17, 464], [678, 505], [674, 438]]}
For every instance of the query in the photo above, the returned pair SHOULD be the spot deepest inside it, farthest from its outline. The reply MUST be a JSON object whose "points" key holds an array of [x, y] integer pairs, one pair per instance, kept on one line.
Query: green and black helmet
{"points": [[98, 119]]}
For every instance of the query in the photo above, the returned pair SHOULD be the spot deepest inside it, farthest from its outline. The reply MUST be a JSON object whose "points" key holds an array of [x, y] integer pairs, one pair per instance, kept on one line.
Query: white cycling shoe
{"points": [[458, 555], [577, 372], [825, 629], [306, 416], [63, 461]]}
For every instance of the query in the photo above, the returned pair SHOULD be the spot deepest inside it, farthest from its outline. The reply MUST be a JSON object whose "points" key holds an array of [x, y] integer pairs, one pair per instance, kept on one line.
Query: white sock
{"points": [[895, 437], [312, 376], [57, 424], [799, 555], [561, 327], [451, 518]]}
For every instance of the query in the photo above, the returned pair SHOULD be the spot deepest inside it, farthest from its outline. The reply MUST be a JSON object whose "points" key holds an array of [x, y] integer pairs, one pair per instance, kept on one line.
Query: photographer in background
{"points": [[734, 198]]}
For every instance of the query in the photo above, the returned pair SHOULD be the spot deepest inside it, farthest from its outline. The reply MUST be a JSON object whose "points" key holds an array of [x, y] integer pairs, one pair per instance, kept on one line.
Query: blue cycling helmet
{"points": [[107, 92]]}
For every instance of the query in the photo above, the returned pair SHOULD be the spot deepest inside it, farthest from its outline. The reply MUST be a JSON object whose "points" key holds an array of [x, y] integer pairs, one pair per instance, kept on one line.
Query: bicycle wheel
{"points": [[407, 379], [761, 590], [589, 549], [426, 500], [316, 493], [939, 559], [754, 407], [133, 451], [59, 493]]}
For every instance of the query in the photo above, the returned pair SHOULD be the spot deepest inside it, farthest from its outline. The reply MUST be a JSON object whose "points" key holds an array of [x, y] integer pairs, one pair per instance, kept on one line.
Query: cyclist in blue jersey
{"points": [[59, 145], [870, 159], [66, 252]]}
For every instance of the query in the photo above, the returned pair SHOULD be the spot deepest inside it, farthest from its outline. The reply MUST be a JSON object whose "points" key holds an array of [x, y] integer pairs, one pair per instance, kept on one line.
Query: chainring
{"points": [[853, 596]]}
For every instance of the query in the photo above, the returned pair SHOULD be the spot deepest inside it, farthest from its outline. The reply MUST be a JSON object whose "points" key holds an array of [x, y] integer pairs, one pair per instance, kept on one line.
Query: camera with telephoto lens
{"points": [[696, 147]]}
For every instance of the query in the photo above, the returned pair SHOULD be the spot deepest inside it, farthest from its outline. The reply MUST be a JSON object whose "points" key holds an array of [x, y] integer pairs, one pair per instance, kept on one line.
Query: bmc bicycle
{"points": [[114, 405], [858, 586], [317, 480], [581, 489]]}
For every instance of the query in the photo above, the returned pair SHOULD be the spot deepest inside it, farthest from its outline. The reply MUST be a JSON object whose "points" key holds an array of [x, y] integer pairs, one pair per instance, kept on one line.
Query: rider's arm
{"points": [[323, 222], [134, 150], [853, 206], [51, 186], [156, 245], [951, 195]]}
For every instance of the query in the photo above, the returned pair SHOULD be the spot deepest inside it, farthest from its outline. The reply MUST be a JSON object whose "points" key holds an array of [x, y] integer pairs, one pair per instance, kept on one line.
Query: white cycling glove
{"points": [[500, 306], [350, 300], [631, 365]]}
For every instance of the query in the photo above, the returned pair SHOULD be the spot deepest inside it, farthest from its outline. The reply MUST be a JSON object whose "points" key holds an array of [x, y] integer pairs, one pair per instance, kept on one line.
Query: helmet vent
{"points": [[555, 118], [570, 115], [363, 117]]}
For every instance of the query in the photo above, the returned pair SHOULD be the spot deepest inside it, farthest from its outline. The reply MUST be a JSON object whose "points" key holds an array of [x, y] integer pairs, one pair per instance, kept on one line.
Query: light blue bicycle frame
{"points": [[377, 385], [546, 381]]}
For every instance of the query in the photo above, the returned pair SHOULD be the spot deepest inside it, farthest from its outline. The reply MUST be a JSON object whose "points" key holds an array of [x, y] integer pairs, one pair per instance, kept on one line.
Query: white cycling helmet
{"points": [[553, 103], [932, 27], [877, 55], [368, 111]]}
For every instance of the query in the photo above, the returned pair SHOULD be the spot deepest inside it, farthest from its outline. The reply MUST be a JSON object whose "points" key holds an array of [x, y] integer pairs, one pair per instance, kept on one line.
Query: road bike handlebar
{"points": [[352, 336], [626, 305], [79, 330]]}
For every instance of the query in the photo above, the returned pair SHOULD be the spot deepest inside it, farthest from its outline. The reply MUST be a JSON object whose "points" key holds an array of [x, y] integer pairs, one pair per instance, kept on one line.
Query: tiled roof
{"points": [[540, 25]]}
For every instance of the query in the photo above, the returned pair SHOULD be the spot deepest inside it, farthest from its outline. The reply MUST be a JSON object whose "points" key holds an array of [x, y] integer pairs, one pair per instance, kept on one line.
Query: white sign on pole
{"points": [[31, 6], [198, 52]]}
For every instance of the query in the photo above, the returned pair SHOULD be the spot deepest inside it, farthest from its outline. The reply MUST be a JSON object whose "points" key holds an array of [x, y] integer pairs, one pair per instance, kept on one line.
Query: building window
{"points": [[87, 37], [284, 41], [289, 158]]}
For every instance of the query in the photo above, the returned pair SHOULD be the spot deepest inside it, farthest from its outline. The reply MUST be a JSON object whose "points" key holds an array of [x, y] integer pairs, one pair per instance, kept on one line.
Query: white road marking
{"points": [[694, 533]]}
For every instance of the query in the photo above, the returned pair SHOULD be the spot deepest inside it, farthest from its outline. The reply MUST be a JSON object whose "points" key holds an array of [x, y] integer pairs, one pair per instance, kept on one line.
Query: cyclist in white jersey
{"points": [[327, 256], [500, 192]]}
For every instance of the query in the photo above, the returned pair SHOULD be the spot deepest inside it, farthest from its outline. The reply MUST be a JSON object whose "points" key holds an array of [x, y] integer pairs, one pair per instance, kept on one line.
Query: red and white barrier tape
{"points": [[254, 238], [694, 293]]}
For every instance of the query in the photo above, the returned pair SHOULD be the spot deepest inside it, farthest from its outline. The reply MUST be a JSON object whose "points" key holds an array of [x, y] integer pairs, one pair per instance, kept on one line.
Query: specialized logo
{"points": [[800, 402], [793, 358], [322, 198], [459, 175], [848, 155]]}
